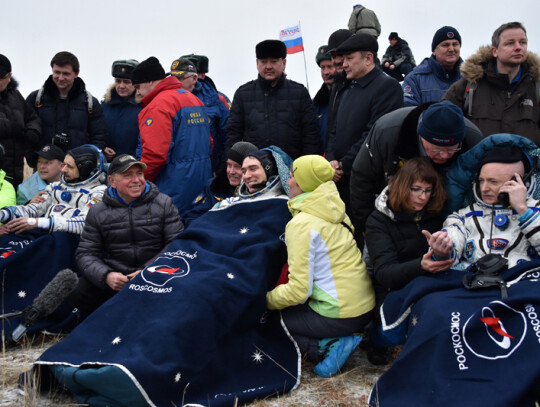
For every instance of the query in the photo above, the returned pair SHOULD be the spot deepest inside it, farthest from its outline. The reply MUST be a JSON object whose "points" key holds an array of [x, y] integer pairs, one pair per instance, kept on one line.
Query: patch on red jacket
{"points": [[149, 121]]}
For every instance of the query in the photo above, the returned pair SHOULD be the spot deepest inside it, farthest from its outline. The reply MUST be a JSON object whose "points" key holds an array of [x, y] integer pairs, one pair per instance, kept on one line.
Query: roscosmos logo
{"points": [[495, 332], [164, 269]]}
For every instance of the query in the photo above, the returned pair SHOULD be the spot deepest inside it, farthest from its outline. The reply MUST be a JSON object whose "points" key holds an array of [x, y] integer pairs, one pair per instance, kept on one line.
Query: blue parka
{"points": [[217, 117], [121, 117], [428, 82]]}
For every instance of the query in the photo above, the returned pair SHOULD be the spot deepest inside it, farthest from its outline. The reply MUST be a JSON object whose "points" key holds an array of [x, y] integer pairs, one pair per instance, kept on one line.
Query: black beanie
{"points": [[240, 150], [443, 34], [86, 159], [267, 161], [337, 38], [148, 70], [5, 65], [393, 36]]}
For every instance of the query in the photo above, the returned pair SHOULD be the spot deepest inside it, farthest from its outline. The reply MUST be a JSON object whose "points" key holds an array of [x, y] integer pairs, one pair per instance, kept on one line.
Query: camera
{"points": [[61, 140]]}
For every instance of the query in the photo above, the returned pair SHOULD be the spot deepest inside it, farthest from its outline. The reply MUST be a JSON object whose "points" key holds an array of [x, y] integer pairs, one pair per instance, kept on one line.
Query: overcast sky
{"points": [[100, 31]]}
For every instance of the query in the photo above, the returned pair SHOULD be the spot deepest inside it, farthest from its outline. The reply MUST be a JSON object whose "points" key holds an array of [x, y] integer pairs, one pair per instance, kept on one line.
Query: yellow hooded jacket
{"points": [[325, 265]]}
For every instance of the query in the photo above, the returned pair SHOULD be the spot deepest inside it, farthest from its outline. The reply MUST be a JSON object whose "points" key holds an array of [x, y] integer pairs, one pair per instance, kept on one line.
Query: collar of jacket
{"points": [[267, 85], [368, 78], [77, 88], [169, 83], [322, 98], [441, 72], [114, 98]]}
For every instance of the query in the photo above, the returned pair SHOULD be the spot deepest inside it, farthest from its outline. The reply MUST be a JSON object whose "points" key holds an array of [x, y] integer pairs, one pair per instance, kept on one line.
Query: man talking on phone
{"points": [[504, 219]]}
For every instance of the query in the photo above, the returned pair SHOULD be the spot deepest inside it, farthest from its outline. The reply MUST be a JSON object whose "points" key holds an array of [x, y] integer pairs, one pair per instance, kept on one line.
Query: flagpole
{"points": [[305, 65]]}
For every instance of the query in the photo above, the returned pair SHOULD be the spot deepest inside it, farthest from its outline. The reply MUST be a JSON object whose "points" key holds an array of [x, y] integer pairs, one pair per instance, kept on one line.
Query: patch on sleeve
{"points": [[59, 208], [149, 121], [196, 200], [470, 248], [92, 202]]}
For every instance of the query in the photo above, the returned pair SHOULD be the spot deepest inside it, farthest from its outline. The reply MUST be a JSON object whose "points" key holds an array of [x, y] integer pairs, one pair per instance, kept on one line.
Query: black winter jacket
{"points": [[124, 238], [69, 116], [396, 245], [361, 104], [392, 141], [281, 115], [20, 130]]}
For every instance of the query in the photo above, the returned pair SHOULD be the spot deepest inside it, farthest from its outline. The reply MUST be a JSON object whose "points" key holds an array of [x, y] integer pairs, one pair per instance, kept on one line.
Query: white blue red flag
{"points": [[292, 37]]}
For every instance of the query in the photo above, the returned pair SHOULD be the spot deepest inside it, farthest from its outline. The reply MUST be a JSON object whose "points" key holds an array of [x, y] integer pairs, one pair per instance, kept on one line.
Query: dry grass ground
{"points": [[350, 388]]}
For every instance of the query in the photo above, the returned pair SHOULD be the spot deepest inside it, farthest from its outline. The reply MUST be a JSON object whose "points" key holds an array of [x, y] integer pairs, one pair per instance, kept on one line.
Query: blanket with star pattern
{"points": [[462, 347], [192, 327], [28, 261]]}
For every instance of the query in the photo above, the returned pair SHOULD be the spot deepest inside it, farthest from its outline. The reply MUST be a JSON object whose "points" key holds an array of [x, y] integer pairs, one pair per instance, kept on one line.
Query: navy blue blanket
{"points": [[28, 261], [463, 347], [193, 326]]}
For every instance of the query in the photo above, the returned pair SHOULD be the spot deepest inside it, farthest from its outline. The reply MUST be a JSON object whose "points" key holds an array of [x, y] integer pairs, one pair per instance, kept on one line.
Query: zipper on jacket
{"points": [[132, 235]]}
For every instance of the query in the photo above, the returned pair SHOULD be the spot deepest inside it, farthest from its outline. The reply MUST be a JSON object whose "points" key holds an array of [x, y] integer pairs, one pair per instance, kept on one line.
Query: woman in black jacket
{"points": [[411, 203]]}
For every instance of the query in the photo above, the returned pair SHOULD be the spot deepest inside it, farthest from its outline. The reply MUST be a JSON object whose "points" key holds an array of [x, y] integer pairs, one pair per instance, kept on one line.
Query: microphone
{"points": [[48, 300]]}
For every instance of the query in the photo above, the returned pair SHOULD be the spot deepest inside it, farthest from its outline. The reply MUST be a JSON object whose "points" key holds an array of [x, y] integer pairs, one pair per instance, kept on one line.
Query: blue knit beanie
{"points": [[442, 124]]}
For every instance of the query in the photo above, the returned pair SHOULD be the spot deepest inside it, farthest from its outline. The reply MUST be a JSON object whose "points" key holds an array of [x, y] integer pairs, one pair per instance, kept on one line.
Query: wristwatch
{"points": [[31, 221]]}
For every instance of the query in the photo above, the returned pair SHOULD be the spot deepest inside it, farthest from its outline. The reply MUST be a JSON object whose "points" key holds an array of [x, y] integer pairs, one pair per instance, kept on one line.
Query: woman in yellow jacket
{"points": [[329, 295]]}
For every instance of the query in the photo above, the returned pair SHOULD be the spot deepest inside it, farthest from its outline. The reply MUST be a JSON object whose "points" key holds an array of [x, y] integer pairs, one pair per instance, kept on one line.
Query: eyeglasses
{"points": [[419, 191], [450, 151]]}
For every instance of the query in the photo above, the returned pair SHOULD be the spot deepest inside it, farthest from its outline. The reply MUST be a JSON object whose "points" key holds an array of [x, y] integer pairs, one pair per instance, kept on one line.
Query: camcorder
{"points": [[61, 140]]}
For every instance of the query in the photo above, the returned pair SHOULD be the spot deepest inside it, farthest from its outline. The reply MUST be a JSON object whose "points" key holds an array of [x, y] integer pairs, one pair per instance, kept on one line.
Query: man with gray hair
{"points": [[499, 88]]}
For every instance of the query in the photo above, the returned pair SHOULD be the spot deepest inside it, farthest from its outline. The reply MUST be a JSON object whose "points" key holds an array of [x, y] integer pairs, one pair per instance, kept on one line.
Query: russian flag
{"points": [[292, 37]]}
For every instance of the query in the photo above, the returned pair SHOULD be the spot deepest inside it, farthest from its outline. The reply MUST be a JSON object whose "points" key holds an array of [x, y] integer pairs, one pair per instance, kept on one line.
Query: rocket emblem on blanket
{"points": [[495, 331], [164, 269]]}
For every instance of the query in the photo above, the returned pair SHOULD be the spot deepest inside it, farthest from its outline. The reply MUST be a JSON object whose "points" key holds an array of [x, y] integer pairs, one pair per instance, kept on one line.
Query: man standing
{"points": [[49, 169], [322, 98], [337, 38], [123, 233], [19, 125], [121, 109], [70, 115], [437, 131], [370, 95], [174, 133], [430, 80], [498, 91], [273, 110], [196, 82]]}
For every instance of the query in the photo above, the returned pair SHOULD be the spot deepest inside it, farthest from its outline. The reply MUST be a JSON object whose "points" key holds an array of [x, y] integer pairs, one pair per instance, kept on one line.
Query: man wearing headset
{"points": [[491, 225], [67, 201]]}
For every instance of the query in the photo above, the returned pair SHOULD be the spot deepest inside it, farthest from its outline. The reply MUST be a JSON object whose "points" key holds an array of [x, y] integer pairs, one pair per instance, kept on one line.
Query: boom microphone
{"points": [[48, 300]]}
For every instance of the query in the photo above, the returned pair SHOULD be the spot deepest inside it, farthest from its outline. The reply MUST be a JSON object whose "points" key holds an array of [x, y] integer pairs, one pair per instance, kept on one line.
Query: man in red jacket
{"points": [[175, 134]]}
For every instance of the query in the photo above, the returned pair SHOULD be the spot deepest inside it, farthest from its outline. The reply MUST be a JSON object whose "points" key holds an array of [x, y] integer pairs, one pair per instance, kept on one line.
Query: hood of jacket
{"points": [[169, 83], [12, 85], [324, 203], [77, 88], [474, 67], [112, 96]]}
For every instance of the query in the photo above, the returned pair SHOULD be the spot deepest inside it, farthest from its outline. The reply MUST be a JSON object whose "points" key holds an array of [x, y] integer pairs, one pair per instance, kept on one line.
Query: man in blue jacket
{"points": [[191, 71], [121, 109], [429, 81], [70, 115]]}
